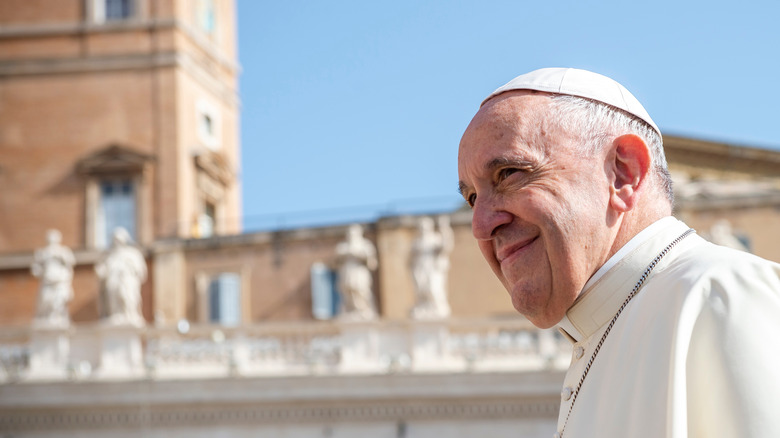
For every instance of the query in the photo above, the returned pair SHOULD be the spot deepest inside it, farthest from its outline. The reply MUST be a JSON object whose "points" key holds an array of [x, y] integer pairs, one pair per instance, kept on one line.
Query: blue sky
{"points": [[354, 109]]}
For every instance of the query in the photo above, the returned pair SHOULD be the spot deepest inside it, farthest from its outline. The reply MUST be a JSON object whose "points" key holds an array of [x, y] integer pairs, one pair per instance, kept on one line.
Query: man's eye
{"points": [[505, 173], [471, 200]]}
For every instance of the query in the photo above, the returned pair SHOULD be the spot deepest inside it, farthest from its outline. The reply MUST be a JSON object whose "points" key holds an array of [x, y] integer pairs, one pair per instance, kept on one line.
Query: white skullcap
{"points": [[581, 83]]}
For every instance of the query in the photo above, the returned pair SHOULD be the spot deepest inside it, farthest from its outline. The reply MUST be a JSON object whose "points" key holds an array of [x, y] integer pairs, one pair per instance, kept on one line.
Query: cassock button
{"points": [[578, 352], [566, 393]]}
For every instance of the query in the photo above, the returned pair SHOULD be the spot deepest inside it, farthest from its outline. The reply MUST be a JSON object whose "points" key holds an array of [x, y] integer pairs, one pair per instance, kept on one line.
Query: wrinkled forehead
{"points": [[521, 114], [515, 104], [519, 108], [514, 127]]}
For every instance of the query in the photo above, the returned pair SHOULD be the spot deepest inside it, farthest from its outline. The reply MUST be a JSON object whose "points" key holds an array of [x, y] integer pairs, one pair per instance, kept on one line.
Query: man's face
{"points": [[540, 208]]}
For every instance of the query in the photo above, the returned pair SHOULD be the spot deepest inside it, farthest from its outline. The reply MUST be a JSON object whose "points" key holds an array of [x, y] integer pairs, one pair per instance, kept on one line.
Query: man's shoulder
{"points": [[704, 263], [708, 255]]}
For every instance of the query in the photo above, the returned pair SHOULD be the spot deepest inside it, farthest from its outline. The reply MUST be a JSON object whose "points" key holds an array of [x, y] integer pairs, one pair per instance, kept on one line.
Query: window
{"points": [[113, 10], [116, 208], [116, 194], [206, 16], [207, 220], [208, 124], [744, 239], [325, 299], [118, 9], [224, 299]]}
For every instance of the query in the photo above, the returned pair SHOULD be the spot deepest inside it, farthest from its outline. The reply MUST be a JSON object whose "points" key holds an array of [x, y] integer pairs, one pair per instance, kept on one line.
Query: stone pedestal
{"points": [[49, 353], [359, 348], [121, 353], [430, 351]]}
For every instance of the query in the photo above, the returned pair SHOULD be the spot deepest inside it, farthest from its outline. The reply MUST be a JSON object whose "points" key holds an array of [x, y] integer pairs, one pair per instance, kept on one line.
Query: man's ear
{"points": [[629, 163]]}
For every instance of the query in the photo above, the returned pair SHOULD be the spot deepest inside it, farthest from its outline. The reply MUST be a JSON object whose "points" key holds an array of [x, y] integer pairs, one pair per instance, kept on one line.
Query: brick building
{"points": [[113, 113], [125, 113]]}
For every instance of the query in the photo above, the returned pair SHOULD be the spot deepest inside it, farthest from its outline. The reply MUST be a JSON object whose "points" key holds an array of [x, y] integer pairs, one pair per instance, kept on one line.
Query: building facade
{"points": [[124, 113], [114, 113], [278, 365]]}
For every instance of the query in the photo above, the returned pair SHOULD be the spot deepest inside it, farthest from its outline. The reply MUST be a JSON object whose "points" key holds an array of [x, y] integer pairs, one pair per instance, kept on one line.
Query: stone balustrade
{"points": [[95, 352]]}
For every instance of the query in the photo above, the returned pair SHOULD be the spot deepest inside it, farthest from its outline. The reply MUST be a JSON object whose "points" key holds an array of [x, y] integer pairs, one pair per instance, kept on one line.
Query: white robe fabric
{"points": [[696, 353]]}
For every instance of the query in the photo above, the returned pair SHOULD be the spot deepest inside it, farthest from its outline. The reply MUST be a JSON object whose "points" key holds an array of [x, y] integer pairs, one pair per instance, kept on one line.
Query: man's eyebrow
{"points": [[508, 161], [462, 187]]}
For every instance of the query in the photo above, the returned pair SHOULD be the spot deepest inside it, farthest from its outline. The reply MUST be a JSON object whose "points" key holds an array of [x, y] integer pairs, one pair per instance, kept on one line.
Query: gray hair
{"points": [[596, 122]]}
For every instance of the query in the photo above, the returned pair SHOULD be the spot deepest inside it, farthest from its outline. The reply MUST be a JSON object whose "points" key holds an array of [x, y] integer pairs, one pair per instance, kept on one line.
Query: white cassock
{"points": [[695, 353]]}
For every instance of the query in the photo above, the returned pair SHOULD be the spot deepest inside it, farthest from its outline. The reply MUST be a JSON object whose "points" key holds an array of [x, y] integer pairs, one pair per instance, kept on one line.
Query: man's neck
{"points": [[636, 220], [635, 240]]}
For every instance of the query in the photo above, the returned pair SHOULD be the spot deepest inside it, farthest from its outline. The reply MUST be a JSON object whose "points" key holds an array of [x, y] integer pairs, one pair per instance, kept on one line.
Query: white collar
{"points": [[606, 290], [635, 241]]}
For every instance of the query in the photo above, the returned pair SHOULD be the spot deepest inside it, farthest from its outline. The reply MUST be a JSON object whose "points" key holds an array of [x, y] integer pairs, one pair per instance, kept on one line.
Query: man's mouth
{"points": [[508, 252]]}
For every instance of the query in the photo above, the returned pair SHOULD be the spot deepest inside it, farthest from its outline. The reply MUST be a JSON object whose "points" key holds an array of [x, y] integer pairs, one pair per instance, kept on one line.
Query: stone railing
{"points": [[106, 352]]}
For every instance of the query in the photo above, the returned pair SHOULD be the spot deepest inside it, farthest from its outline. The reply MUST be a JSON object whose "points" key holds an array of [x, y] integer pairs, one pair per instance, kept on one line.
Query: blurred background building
{"points": [[124, 113]]}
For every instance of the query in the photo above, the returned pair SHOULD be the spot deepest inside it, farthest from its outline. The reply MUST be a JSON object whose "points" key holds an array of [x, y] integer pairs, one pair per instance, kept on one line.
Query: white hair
{"points": [[595, 123]]}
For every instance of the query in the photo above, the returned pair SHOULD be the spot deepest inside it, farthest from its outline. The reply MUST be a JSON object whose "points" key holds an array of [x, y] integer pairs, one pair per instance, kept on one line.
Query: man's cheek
{"points": [[486, 248]]}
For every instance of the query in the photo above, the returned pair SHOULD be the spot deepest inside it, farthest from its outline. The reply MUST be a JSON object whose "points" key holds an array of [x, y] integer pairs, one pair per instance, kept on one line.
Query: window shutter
{"points": [[324, 298], [225, 299]]}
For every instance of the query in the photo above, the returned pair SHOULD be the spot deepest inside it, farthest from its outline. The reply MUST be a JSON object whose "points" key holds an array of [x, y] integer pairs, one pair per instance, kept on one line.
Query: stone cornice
{"points": [[727, 203], [43, 66], [272, 390], [303, 233], [123, 62], [23, 260], [114, 159], [721, 157], [216, 166], [141, 417], [85, 28], [69, 406], [458, 218], [76, 28]]}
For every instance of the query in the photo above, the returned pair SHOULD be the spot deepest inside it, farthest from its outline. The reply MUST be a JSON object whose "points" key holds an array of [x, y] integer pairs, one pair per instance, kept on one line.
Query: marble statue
{"points": [[356, 258], [430, 266], [122, 271], [53, 264]]}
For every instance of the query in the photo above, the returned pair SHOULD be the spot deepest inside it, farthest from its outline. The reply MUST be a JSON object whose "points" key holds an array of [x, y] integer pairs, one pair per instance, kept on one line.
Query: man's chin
{"points": [[538, 315], [544, 323]]}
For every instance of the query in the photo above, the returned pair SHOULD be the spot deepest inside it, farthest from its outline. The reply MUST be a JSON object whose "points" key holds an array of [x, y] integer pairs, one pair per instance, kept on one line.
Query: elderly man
{"points": [[673, 336]]}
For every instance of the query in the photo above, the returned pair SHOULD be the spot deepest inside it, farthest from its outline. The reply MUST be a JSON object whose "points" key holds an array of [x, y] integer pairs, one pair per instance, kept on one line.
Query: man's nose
{"points": [[489, 216]]}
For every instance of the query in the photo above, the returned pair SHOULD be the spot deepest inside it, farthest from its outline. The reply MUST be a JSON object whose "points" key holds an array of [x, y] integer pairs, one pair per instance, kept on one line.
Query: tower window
{"points": [[208, 125], [116, 208], [208, 120], [113, 10], [206, 16], [207, 220], [118, 9]]}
